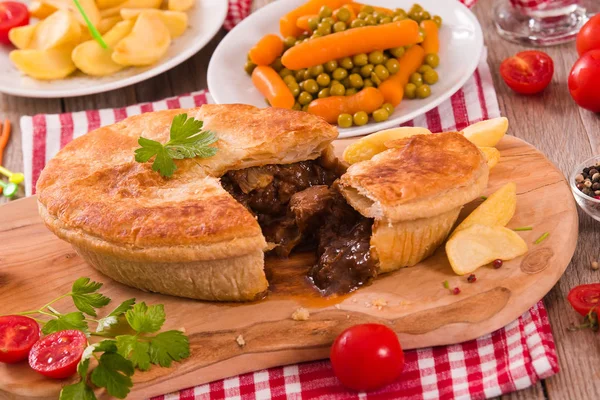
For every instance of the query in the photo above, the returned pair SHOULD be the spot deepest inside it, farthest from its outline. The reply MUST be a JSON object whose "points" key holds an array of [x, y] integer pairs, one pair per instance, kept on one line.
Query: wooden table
{"points": [[551, 121]]}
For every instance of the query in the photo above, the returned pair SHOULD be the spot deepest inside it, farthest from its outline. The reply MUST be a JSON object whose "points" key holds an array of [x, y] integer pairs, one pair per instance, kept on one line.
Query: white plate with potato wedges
{"points": [[45, 65]]}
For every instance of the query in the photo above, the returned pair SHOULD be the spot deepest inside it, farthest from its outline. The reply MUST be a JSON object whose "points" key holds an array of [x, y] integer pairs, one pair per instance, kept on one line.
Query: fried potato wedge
{"points": [[366, 147], [487, 133], [479, 245], [497, 210], [180, 5], [104, 4], [176, 21], [59, 29], [148, 41], [22, 36], [47, 64], [492, 156], [40, 10], [94, 60], [111, 12], [89, 6]]}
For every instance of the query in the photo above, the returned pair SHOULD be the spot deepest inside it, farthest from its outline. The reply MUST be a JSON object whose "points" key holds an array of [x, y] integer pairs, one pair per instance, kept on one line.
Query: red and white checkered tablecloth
{"points": [[509, 359]]}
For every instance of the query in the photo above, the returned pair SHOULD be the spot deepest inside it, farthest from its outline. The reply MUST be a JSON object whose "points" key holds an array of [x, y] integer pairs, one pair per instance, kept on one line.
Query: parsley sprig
{"points": [[131, 339], [186, 140]]}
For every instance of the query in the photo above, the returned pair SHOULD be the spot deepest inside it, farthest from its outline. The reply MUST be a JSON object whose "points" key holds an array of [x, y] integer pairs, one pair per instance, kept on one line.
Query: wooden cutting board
{"points": [[36, 267]]}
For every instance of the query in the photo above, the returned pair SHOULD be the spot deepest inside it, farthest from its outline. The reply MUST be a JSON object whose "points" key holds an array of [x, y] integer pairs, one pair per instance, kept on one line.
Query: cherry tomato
{"points": [[366, 357], [12, 15], [588, 37], [56, 355], [17, 335], [585, 297], [584, 81], [527, 72]]}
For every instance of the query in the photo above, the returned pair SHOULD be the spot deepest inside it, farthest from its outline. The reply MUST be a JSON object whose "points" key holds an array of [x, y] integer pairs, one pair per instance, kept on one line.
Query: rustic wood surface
{"points": [[551, 121], [418, 308]]}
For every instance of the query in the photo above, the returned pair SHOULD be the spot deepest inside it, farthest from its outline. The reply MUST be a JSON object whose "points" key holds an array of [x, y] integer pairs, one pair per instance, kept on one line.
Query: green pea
{"points": [[385, 20], [425, 15], [288, 79], [277, 65], [422, 34], [313, 23], [410, 91], [355, 70], [304, 98], [334, 82], [302, 37], [382, 72], [397, 52], [432, 60], [366, 70], [324, 28], [305, 108], [344, 120], [398, 18], [416, 79], [301, 85], [289, 41], [346, 63], [311, 86], [337, 90], [357, 23], [388, 107], [316, 70], [371, 20], [299, 75], [380, 115], [360, 118], [416, 7], [360, 59], [249, 67], [399, 12], [423, 91], [375, 79], [325, 12], [339, 74], [343, 14], [377, 15], [424, 68], [330, 20], [430, 77], [294, 88], [298, 42], [368, 83], [350, 91], [438, 20], [331, 66], [323, 80], [392, 65], [362, 15], [346, 82], [385, 58], [415, 15], [297, 107], [323, 93], [356, 81], [339, 26], [285, 72], [376, 57], [315, 35], [367, 9]]}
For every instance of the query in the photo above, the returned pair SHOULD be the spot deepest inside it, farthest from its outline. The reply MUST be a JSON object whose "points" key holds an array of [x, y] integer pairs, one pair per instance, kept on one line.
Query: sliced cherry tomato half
{"points": [[17, 335], [12, 15], [585, 297], [588, 37], [584, 81], [527, 72], [56, 355], [367, 357]]}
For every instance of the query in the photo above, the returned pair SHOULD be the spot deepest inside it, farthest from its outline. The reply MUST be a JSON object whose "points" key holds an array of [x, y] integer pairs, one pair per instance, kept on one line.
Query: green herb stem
{"points": [[55, 300], [93, 31], [446, 284], [484, 198], [542, 238], [523, 228]]}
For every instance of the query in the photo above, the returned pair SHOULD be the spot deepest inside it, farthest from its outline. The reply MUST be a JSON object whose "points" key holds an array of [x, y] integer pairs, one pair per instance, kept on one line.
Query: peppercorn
{"points": [[592, 171], [497, 263], [580, 186], [596, 186], [586, 171], [456, 290], [579, 178], [587, 183], [595, 265], [596, 177], [471, 278], [588, 192]]}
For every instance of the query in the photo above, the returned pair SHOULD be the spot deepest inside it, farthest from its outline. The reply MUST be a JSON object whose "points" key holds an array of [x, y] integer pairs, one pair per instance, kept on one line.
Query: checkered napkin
{"points": [[509, 359]]}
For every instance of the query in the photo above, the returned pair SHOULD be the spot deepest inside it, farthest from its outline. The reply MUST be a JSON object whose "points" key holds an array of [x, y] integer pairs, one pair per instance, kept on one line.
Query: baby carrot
{"points": [[269, 84], [393, 87], [302, 22], [4, 138], [268, 48], [350, 42], [328, 108], [287, 23], [431, 43]]}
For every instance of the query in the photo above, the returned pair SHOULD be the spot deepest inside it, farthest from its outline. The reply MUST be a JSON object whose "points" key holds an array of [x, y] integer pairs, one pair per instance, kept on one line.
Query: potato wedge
{"points": [[497, 210], [111, 12], [40, 10], [48, 64], [176, 21], [487, 133], [93, 60], [479, 245], [180, 5], [59, 29], [89, 6], [366, 147], [492, 156], [22, 36], [148, 41], [104, 4]]}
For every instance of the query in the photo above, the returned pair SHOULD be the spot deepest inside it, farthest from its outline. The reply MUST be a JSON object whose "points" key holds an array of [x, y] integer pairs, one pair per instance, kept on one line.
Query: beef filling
{"points": [[300, 204]]}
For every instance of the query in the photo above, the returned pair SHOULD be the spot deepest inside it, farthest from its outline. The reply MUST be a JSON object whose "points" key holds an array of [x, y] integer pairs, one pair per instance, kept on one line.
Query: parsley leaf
{"points": [[122, 308], [132, 349], [113, 373], [146, 319], [169, 346], [77, 391], [115, 318], [74, 320], [85, 298], [186, 140], [107, 346]]}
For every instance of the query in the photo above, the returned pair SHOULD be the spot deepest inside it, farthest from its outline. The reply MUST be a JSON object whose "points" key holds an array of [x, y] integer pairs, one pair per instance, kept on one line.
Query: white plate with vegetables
{"points": [[460, 46], [152, 37]]}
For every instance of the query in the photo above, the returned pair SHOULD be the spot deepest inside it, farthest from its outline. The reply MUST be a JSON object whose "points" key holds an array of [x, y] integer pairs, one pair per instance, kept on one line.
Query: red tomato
{"points": [[585, 297], [366, 357], [56, 355], [584, 81], [527, 72], [12, 14], [588, 37], [17, 336]]}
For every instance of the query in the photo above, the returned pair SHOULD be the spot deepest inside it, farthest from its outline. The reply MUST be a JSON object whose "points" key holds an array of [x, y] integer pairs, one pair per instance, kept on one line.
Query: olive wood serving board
{"points": [[36, 267]]}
